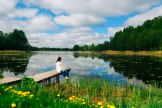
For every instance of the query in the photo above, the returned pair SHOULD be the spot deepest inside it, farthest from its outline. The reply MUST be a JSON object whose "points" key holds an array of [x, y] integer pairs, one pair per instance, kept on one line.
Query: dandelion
{"points": [[54, 101], [73, 96], [13, 105], [89, 105], [70, 98], [31, 96], [58, 95], [101, 106], [83, 103], [79, 99], [132, 107], [83, 100], [5, 89], [99, 103], [108, 105], [73, 101], [2, 87]]}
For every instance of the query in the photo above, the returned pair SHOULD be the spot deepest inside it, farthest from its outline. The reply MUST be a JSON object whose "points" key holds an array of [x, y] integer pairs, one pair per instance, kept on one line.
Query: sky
{"points": [[65, 23]]}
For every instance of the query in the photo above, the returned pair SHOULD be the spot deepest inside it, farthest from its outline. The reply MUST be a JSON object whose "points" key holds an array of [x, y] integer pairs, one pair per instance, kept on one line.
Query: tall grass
{"points": [[82, 93]]}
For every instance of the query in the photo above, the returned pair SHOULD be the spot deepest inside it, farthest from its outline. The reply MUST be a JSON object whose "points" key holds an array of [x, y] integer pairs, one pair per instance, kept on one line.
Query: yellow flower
{"points": [[54, 101], [89, 105], [95, 105], [101, 106], [73, 101], [66, 100], [2, 87], [31, 96], [70, 98], [83, 103], [73, 96], [58, 95], [132, 107], [99, 103], [76, 98], [79, 99], [24, 94], [108, 105], [10, 87], [112, 106], [37, 98], [83, 100], [13, 105]]}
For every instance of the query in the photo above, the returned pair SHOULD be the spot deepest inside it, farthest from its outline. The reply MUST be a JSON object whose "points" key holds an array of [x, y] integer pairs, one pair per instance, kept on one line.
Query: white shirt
{"points": [[58, 66]]}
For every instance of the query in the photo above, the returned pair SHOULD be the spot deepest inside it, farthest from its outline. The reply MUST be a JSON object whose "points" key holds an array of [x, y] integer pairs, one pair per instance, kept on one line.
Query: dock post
{"points": [[44, 82], [57, 79]]}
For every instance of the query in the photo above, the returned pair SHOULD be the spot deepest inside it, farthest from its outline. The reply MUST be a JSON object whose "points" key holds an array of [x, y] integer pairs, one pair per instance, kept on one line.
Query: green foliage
{"points": [[27, 84], [1, 76], [146, 37]]}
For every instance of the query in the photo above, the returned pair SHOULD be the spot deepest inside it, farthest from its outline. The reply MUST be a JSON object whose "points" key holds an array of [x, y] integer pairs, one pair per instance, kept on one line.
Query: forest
{"points": [[145, 37]]}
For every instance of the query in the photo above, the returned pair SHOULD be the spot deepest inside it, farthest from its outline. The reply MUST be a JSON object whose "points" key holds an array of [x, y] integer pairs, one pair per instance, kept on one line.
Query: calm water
{"points": [[128, 68]]}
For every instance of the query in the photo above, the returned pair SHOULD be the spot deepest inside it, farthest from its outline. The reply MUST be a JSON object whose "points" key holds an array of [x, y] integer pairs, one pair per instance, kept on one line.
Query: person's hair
{"points": [[58, 59]]}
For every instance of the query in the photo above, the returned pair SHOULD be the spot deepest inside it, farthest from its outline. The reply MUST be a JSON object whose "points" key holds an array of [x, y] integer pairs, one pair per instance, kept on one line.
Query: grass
{"points": [[82, 93], [11, 52]]}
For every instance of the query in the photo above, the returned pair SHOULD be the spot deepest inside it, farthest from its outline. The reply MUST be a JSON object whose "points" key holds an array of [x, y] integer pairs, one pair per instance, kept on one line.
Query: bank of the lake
{"points": [[12, 52], [80, 94], [147, 53]]}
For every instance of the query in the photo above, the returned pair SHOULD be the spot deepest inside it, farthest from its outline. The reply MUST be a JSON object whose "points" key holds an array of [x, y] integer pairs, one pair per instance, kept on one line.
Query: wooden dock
{"points": [[42, 77]]}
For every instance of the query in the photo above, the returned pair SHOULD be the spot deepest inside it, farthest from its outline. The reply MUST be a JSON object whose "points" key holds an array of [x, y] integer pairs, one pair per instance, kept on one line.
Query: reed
{"points": [[82, 93]]}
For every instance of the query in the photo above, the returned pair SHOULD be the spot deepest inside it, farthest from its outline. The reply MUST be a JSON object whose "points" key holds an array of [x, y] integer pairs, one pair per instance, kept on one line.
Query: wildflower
{"points": [[101, 106], [10, 87], [83, 103], [132, 107], [112, 106], [73, 101], [2, 87], [70, 98], [79, 99], [95, 105], [5, 89], [76, 97], [66, 100], [83, 100], [73, 96], [54, 101], [13, 105], [108, 105], [31, 96], [58, 95], [99, 103], [89, 105]]}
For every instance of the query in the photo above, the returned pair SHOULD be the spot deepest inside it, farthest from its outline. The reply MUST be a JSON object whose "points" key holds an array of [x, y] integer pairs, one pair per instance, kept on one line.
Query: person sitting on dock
{"points": [[60, 68]]}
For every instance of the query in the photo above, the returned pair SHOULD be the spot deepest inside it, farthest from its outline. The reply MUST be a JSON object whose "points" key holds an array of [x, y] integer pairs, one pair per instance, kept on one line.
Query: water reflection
{"points": [[145, 68], [17, 64]]}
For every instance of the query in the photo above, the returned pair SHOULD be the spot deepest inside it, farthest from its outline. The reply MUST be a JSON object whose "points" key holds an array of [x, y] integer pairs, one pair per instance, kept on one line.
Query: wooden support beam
{"points": [[57, 79]]}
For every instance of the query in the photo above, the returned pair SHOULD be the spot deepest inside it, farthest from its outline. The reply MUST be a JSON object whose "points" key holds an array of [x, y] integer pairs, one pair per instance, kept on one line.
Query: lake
{"points": [[134, 69]]}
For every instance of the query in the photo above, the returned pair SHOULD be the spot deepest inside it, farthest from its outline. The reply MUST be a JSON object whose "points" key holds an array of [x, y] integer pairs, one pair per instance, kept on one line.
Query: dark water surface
{"points": [[134, 69]]}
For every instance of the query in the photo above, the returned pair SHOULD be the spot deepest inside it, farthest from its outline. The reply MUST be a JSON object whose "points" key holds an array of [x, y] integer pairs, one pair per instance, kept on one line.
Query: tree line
{"points": [[15, 40], [146, 37]]}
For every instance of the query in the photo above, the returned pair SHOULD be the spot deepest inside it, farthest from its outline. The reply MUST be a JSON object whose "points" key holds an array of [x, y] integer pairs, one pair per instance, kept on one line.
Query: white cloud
{"points": [[113, 30], [67, 38], [79, 20], [94, 7], [37, 24], [24, 12], [7, 6], [139, 19]]}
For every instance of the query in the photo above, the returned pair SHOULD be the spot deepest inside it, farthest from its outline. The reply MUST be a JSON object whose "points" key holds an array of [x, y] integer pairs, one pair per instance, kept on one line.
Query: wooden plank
{"points": [[38, 77], [9, 80]]}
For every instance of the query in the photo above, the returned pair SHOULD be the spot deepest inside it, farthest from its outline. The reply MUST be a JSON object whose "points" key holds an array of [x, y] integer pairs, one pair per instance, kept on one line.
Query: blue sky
{"points": [[64, 23]]}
